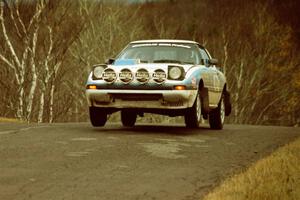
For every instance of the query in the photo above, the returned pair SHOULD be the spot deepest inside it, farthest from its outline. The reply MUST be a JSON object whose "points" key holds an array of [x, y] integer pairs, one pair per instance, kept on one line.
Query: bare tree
{"points": [[253, 79], [23, 57], [33, 59]]}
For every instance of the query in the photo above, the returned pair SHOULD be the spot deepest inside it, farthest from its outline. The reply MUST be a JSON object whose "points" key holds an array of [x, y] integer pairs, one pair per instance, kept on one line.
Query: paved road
{"points": [[78, 162]]}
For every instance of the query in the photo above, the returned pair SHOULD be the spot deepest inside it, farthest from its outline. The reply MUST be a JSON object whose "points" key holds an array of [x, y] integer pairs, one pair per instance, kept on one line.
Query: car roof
{"points": [[165, 41]]}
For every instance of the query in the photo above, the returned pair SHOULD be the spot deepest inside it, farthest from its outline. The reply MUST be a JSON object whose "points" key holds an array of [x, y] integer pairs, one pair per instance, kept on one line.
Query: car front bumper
{"points": [[148, 99]]}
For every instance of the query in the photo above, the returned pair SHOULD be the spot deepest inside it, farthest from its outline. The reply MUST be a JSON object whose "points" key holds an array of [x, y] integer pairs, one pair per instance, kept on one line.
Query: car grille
{"points": [[137, 97]]}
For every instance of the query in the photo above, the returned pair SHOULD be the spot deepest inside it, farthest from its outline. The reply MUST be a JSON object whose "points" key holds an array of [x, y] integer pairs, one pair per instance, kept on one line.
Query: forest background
{"points": [[48, 48]]}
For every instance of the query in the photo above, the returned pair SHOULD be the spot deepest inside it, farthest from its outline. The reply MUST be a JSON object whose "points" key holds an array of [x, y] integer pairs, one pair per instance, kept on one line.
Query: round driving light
{"points": [[109, 75], [159, 76], [142, 75], [97, 72], [126, 75], [175, 73]]}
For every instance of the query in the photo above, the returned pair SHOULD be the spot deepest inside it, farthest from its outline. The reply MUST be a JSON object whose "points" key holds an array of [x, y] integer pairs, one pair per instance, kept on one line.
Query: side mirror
{"points": [[213, 61], [110, 61]]}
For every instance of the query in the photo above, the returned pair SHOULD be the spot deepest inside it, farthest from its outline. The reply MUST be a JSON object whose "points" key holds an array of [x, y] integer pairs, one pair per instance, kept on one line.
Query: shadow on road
{"points": [[152, 129]]}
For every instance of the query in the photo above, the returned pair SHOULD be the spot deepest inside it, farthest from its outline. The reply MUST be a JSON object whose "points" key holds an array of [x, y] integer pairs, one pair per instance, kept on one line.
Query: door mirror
{"points": [[213, 61], [110, 61]]}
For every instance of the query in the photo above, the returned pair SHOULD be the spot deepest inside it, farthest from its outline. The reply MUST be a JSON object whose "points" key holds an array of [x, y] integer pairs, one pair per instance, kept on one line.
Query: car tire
{"points": [[98, 116], [128, 118], [193, 115], [217, 116]]}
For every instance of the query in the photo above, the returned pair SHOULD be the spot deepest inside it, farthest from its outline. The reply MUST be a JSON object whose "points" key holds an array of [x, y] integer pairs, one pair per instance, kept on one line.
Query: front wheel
{"points": [[192, 116], [97, 116], [217, 116], [128, 118]]}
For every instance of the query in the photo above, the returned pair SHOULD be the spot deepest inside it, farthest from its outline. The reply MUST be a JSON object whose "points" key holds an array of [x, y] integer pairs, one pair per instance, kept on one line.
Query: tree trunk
{"points": [[20, 110], [41, 106], [34, 76], [51, 103]]}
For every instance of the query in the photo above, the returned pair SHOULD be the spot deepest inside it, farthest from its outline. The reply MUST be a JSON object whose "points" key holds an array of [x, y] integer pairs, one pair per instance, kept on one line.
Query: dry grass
{"points": [[2, 119], [276, 177]]}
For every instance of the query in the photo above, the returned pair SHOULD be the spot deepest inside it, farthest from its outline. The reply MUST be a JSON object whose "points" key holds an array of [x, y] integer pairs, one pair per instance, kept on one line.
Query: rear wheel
{"points": [[217, 116], [98, 116], [192, 116], [128, 118]]}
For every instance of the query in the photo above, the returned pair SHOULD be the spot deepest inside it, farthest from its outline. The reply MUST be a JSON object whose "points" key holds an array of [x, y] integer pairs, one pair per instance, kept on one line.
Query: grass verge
{"points": [[3, 119], [276, 177]]}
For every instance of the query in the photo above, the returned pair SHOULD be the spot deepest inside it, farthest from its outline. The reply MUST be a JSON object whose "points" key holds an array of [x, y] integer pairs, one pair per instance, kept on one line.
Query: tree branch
{"points": [[39, 8], [266, 108], [6, 38], [7, 62], [20, 20], [13, 18]]}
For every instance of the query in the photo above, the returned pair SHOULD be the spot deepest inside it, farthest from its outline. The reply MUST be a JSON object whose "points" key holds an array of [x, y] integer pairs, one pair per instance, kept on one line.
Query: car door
{"points": [[212, 79]]}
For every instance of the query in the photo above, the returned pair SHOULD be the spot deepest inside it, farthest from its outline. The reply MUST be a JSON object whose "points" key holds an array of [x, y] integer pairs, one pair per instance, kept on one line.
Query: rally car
{"points": [[167, 77]]}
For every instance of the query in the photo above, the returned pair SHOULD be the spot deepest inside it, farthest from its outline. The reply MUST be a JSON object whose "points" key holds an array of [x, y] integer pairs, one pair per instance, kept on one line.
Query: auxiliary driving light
{"points": [[109, 75], [159, 76]]}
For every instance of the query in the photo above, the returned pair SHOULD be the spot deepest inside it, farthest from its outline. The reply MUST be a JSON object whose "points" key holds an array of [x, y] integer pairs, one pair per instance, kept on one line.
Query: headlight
{"points": [[98, 71], [176, 73]]}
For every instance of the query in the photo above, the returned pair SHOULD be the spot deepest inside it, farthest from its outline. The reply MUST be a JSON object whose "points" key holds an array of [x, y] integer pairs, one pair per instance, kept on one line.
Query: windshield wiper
{"points": [[172, 61], [167, 61], [144, 61], [191, 63]]}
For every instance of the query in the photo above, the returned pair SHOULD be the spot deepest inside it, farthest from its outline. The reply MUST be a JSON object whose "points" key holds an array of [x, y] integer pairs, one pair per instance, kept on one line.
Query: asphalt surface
{"points": [[147, 162]]}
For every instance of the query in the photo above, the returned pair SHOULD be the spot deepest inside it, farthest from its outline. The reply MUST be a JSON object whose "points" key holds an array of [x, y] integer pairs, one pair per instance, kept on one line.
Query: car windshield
{"points": [[162, 53]]}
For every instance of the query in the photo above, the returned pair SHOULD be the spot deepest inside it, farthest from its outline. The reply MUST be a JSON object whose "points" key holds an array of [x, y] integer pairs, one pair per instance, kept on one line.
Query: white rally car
{"points": [[168, 77]]}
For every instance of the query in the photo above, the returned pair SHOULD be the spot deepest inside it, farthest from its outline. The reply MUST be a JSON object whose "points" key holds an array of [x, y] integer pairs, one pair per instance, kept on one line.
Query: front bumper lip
{"points": [[160, 99]]}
